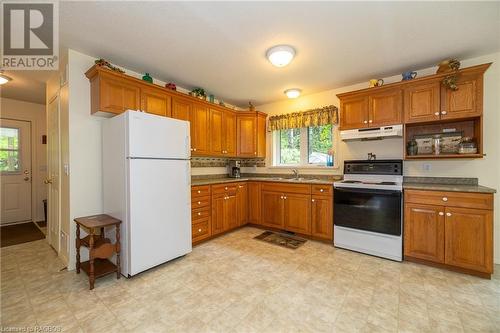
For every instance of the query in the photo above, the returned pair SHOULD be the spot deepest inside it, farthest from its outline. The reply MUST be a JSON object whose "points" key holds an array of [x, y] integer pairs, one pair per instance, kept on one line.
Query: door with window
{"points": [[15, 169]]}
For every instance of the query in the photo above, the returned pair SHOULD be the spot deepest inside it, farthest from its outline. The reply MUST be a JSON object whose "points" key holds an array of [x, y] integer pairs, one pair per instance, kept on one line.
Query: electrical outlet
{"points": [[426, 167]]}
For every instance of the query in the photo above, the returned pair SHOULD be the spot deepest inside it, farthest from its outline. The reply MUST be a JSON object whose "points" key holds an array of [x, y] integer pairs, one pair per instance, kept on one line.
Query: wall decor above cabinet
{"points": [[424, 105], [215, 130]]}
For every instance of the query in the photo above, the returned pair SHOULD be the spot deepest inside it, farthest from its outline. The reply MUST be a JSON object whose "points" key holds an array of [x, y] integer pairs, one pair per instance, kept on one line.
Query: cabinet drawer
{"points": [[201, 213], [450, 199], [286, 188], [200, 191], [200, 202], [322, 189], [200, 230], [224, 189]]}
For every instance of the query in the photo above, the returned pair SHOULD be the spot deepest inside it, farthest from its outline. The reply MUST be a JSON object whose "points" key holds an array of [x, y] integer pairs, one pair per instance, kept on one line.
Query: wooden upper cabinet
{"points": [[422, 102], [261, 135], [322, 216], [200, 123], [272, 209], [247, 135], [385, 108], [115, 95], [229, 133], [156, 101], [216, 129], [424, 232], [297, 213], [354, 112], [469, 238], [464, 102], [181, 108]]}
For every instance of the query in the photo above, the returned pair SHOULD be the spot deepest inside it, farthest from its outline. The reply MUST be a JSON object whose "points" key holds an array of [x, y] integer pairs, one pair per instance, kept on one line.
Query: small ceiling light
{"points": [[293, 93], [4, 78], [280, 55]]}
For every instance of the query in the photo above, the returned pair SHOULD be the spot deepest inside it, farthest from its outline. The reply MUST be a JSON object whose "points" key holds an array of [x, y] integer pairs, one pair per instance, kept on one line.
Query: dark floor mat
{"points": [[287, 241], [20, 233]]}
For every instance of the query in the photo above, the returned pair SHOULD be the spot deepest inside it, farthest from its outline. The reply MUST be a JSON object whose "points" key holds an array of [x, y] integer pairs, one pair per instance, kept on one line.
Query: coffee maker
{"points": [[233, 169]]}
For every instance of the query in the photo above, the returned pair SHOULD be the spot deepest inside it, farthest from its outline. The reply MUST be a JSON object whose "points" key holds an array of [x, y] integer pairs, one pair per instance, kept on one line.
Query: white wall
{"points": [[486, 169], [35, 113]]}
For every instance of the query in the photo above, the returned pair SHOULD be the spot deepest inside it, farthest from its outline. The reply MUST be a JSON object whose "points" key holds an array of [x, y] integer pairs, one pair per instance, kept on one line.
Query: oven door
{"points": [[368, 209]]}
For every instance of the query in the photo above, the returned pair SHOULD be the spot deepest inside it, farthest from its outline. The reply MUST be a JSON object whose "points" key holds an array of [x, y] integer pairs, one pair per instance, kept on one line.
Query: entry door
{"points": [[53, 173], [15, 169]]}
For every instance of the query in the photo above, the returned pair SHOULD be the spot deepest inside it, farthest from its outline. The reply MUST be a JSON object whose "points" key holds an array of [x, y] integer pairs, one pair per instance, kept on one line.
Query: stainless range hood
{"points": [[377, 133]]}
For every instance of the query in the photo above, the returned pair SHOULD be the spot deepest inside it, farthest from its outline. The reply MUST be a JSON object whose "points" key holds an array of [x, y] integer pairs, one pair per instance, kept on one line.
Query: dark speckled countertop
{"points": [[445, 184], [305, 179]]}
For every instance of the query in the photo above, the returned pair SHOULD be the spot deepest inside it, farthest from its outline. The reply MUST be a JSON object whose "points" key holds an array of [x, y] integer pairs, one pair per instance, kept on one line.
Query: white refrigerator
{"points": [[147, 185]]}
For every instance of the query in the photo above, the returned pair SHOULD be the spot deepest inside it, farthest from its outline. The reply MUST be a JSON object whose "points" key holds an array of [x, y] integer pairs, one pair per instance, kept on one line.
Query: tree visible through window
{"points": [[9, 149], [290, 146], [320, 143]]}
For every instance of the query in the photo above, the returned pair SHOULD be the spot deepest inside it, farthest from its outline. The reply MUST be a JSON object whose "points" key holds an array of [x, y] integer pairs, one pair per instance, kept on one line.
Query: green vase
{"points": [[147, 78]]}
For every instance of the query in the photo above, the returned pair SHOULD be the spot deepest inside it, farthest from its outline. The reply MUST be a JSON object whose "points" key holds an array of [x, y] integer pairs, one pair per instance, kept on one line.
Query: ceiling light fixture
{"points": [[292, 93], [280, 55], [4, 78]]}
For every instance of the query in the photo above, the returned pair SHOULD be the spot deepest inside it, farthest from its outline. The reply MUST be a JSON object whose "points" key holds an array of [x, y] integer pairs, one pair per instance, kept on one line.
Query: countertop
{"points": [[210, 181], [448, 187]]}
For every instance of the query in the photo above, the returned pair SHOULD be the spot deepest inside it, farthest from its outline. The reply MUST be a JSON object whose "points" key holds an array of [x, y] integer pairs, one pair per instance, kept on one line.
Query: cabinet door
{"points": [[117, 95], [463, 102], [242, 196], [254, 203], [200, 121], [469, 238], [156, 102], [218, 214], [247, 136], [322, 217], [424, 232], [216, 130], [385, 108], [230, 212], [354, 112], [181, 108], [261, 135], [229, 134], [297, 213], [421, 102], [272, 209]]}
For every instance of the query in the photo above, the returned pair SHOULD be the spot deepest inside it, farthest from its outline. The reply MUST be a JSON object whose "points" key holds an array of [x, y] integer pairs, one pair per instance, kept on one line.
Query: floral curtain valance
{"points": [[315, 117]]}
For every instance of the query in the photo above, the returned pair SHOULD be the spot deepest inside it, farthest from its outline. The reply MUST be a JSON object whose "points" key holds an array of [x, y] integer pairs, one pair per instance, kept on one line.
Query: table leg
{"points": [[91, 259], [77, 248], [118, 270]]}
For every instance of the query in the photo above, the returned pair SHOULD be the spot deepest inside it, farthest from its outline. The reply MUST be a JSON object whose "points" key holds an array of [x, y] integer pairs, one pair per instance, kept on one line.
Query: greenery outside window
{"points": [[9, 150]]}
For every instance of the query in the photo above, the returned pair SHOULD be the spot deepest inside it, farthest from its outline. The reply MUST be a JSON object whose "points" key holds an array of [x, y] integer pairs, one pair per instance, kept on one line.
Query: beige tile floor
{"points": [[237, 284]]}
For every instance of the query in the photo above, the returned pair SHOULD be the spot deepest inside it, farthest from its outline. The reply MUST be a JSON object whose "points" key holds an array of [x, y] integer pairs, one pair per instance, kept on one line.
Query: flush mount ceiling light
{"points": [[292, 93], [4, 78], [280, 55]]}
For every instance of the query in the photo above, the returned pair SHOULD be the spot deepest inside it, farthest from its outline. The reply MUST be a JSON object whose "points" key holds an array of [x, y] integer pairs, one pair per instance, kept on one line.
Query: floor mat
{"points": [[19, 233], [287, 241]]}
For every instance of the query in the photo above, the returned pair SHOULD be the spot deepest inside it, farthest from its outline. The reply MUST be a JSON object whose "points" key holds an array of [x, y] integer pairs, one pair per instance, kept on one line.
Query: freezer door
{"points": [[151, 136], [160, 212]]}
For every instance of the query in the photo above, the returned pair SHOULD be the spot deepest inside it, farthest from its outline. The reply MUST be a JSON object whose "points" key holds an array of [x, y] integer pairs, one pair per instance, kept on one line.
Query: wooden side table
{"points": [[100, 247]]}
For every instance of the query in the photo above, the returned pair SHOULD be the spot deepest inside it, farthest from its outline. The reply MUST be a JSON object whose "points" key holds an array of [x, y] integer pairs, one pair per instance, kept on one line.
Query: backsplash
{"points": [[216, 162]]}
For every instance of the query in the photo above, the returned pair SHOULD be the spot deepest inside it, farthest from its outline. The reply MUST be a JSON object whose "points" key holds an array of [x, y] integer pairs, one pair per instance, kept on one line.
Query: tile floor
{"points": [[237, 284]]}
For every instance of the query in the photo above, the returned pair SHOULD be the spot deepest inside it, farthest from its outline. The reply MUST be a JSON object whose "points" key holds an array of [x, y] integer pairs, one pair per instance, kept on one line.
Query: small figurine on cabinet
{"points": [[171, 86], [103, 63], [450, 65], [251, 107], [147, 78]]}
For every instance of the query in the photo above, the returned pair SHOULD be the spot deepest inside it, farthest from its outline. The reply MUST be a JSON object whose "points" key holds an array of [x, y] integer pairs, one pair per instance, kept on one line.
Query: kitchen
{"points": [[229, 281]]}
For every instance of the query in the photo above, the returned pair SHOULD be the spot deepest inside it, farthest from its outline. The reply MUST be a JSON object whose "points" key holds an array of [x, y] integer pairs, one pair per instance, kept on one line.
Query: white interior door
{"points": [[53, 172], [15, 169]]}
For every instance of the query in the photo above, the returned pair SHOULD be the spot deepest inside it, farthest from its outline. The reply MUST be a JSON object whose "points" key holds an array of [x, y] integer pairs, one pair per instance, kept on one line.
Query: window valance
{"points": [[315, 117]]}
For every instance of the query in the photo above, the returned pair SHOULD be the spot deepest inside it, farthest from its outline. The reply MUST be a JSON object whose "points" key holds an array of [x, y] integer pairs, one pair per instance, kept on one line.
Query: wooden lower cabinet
{"points": [[254, 211], [459, 238], [424, 232], [322, 217], [200, 229], [272, 209], [469, 238], [242, 203], [297, 213], [224, 213]]}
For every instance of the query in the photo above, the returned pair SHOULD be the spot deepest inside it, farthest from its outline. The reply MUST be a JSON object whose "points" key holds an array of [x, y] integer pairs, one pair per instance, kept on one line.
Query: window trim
{"points": [[304, 151]]}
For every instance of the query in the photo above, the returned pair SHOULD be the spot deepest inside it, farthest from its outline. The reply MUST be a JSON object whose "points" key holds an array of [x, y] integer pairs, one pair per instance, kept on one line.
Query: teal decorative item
{"points": [[211, 98], [147, 78]]}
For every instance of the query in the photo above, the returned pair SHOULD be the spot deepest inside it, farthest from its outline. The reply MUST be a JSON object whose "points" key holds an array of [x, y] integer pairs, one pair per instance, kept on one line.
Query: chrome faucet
{"points": [[372, 157], [295, 173]]}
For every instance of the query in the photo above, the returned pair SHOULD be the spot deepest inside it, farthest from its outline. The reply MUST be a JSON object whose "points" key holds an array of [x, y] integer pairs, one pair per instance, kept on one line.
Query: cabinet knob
{"points": [[370, 121], [225, 188], [255, 153], [441, 213], [365, 122], [199, 213], [281, 197], [444, 112], [448, 214], [312, 200], [321, 190], [199, 230], [284, 198], [194, 149], [445, 199], [199, 191], [240, 186], [199, 202], [436, 113]]}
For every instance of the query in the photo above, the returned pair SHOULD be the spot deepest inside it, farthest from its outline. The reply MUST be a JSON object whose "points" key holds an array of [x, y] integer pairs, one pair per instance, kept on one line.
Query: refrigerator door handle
{"points": [[188, 145]]}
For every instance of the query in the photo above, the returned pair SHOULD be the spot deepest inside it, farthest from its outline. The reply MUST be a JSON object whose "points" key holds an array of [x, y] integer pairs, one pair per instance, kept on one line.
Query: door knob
{"points": [[46, 181], [26, 179]]}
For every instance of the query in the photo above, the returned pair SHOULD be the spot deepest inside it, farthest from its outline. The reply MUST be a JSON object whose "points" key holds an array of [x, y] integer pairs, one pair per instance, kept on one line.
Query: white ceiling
{"points": [[28, 86], [221, 46]]}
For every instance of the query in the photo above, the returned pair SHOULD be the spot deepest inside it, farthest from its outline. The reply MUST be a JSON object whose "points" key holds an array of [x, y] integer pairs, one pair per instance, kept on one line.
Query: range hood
{"points": [[375, 133]]}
